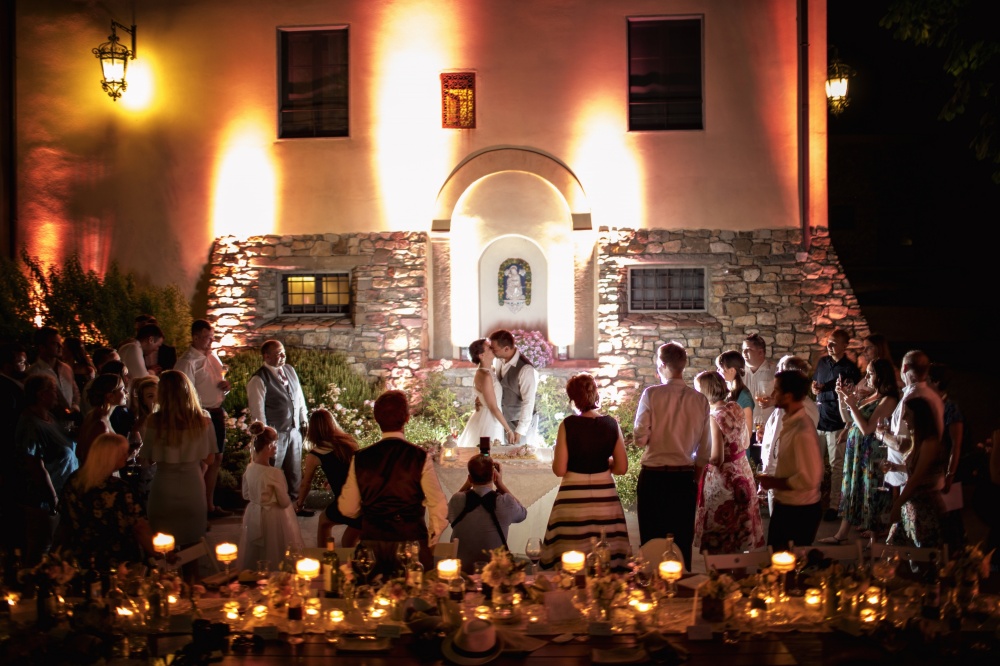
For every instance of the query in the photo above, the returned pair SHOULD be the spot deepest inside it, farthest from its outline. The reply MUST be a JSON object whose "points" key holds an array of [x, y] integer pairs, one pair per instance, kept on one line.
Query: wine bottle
{"points": [[331, 569]]}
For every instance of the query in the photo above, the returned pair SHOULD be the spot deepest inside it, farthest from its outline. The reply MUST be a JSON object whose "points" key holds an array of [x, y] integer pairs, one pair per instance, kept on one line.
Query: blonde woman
{"points": [[99, 518], [180, 439], [142, 402]]}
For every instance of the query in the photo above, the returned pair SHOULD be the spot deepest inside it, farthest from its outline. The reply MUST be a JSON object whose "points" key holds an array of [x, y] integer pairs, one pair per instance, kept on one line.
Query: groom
{"points": [[518, 378]]}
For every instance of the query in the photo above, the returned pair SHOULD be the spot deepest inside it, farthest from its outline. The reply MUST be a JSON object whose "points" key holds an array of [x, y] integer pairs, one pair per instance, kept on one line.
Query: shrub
{"points": [[627, 483], [552, 405], [16, 311]]}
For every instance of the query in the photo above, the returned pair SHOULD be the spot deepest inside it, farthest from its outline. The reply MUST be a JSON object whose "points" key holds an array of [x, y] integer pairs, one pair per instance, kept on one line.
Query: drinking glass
{"points": [[364, 600], [477, 576], [885, 567], [881, 427], [263, 572], [363, 560], [403, 555], [533, 551]]}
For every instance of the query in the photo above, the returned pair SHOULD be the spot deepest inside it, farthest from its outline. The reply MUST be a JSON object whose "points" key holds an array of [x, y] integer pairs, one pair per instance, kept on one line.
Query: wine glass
{"points": [[885, 567], [477, 576], [881, 427], [363, 560], [642, 570], [403, 555], [533, 551], [364, 600]]}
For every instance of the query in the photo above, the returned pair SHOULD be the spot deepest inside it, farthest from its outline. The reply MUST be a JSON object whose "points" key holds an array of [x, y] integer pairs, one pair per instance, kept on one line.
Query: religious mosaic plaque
{"points": [[514, 284]]}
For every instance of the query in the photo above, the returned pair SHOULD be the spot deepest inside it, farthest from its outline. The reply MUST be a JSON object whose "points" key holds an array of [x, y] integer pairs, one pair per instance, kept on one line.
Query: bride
{"points": [[488, 421]]}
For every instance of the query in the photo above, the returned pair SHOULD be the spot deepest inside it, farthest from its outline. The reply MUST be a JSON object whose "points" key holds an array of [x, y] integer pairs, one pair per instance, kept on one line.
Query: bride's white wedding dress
{"points": [[483, 423]]}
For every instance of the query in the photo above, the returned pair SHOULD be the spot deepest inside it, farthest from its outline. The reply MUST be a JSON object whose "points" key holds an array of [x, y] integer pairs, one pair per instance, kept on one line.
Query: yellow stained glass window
{"points": [[458, 100]]}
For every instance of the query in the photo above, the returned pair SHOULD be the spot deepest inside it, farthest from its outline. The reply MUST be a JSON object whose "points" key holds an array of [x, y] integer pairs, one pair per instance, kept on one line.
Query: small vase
{"points": [[713, 609]]}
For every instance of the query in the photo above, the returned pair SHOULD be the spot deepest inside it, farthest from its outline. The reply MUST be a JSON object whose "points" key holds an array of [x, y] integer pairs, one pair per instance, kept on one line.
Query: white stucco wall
{"points": [[151, 186]]}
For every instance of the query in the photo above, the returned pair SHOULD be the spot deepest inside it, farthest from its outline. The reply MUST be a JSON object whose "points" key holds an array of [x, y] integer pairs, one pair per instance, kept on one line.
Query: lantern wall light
{"points": [[837, 78], [114, 59]]}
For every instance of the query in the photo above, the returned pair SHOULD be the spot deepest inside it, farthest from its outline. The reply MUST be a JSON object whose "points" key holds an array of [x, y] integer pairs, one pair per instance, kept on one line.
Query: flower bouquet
{"points": [[605, 591], [716, 594], [965, 570], [503, 575]]}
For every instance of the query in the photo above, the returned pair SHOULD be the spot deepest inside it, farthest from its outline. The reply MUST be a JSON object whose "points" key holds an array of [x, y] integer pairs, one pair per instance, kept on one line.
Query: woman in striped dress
{"points": [[589, 449]]}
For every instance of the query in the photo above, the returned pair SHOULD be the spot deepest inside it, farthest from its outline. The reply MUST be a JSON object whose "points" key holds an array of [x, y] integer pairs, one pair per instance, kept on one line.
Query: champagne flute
{"points": [[533, 551]]}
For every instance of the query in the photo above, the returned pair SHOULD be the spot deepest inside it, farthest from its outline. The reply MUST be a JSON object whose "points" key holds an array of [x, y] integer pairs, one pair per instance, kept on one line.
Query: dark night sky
{"points": [[913, 214]]}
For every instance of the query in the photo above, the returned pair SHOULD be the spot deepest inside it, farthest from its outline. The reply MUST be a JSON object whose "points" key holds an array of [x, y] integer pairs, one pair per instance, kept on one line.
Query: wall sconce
{"points": [[114, 60], [836, 85]]}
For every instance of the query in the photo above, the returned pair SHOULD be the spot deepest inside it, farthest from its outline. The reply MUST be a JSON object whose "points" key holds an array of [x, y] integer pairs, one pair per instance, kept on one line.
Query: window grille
{"points": [[313, 91], [320, 294], [665, 74], [665, 289], [458, 100]]}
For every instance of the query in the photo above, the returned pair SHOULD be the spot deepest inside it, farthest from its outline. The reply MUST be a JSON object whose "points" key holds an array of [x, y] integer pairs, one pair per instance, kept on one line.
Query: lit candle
{"points": [[450, 453], [873, 596], [483, 612], [379, 613], [307, 568], [572, 561], [754, 613], [671, 570], [447, 569], [172, 598], [868, 615], [163, 543], [814, 596], [124, 612], [643, 607], [260, 611], [336, 616], [225, 552], [783, 561], [383, 601]]}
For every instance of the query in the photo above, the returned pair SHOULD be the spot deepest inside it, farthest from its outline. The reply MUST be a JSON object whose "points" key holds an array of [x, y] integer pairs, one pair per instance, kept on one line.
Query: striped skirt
{"points": [[584, 504]]}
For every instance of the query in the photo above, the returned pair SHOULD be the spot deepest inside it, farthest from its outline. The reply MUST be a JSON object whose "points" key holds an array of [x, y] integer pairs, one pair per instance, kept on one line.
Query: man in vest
{"points": [[519, 379], [275, 398], [390, 484], [481, 515]]}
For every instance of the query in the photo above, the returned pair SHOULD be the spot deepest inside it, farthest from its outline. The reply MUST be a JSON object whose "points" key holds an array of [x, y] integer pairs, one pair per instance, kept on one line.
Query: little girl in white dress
{"points": [[269, 523]]}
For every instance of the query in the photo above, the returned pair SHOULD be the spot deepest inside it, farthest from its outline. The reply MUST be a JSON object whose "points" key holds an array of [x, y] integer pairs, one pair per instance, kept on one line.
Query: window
{"points": [[310, 294], [313, 89], [664, 74], [458, 101], [664, 289]]}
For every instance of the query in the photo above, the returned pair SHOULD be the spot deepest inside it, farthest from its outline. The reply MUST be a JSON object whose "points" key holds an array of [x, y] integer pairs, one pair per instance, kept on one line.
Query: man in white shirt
{"points": [[772, 427], [519, 380], [759, 379], [799, 468], [392, 485], [274, 396], [49, 362], [916, 366], [672, 424], [207, 373], [140, 355]]}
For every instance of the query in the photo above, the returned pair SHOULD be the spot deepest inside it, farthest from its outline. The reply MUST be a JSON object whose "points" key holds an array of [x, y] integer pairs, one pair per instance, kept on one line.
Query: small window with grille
{"points": [[328, 293], [458, 100], [664, 289]]}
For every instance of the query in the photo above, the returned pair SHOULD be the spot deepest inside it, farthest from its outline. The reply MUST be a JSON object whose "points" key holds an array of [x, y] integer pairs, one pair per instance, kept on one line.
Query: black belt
{"points": [[669, 468]]}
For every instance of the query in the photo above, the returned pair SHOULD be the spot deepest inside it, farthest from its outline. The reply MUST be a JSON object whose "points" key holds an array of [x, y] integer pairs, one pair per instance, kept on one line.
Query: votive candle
{"points": [[163, 543], [671, 570], [783, 561], [447, 569], [572, 561], [814, 596], [225, 552], [307, 568]]}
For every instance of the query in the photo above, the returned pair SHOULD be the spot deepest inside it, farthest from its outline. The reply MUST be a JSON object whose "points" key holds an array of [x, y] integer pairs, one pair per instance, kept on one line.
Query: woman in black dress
{"points": [[589, 449], [332, 450]]}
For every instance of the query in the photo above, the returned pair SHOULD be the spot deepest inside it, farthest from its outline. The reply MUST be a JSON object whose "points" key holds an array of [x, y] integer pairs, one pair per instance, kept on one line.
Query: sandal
{"points": [[832, 540]]}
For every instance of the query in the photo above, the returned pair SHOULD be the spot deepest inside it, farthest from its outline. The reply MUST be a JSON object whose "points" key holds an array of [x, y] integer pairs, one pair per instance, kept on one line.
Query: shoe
{"points": [[304, 513], [830, 515], [832, 540], [219, 513]]}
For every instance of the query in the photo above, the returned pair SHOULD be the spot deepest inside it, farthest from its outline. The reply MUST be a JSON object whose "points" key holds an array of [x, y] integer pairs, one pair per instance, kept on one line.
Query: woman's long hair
{"points": [[102, 459], [100, 388], [138, 388], [884, 378], [180, 409], [733, 359], [324, 432]]}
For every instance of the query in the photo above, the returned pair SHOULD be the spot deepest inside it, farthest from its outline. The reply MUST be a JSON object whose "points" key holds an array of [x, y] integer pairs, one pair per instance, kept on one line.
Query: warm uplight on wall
{"points": [[836, 85], [114, 61]]}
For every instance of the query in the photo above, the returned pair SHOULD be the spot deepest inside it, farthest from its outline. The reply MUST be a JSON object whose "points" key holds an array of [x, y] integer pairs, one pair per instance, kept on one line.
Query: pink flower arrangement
{"points": [[534, 347]]}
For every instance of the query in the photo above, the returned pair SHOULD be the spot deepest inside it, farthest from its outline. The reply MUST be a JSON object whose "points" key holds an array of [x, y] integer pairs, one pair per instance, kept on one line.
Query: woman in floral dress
{"points": [[728, 517], [862, 504]]}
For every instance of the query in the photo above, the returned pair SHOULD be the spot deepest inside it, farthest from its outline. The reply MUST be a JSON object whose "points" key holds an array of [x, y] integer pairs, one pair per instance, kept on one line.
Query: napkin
{"points": [[559, 606]]}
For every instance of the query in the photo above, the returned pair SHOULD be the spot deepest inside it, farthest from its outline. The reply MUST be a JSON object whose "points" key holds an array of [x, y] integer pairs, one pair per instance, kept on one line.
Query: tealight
{"points": [[868, 615], [379, 613], [307, 568], [814, 596], [572, 561], [754, 613], [383, 601], [873, 596], [482, 612], [163, 543], [448, 569], [643, 606], [124, 612], [171, 598], [225, 552], [671, 570], [783, 561], [336, 616], [260, 611]]}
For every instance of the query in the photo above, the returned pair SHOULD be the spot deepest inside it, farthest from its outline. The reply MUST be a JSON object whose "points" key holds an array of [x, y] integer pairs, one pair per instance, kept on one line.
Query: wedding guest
{"points": [[798, 470], [106, 394], [99, 517], [180, 439], [49, 362], [759, 379], [101, 356], [919, 507], [836, 365], [122, 418], [862, 503], [269, 524], [728, 518], [672, 424], [141, 354], [332, 450], [874, 347], [731, 366], [143, 402], [45, 457], [482, 511], [395, 512], [75, 355], [589, 449], [939, 379]]}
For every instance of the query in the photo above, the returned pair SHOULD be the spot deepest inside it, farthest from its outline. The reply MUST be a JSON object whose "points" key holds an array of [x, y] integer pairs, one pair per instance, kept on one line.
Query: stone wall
{"points": [[385, 335], [761, 281]]}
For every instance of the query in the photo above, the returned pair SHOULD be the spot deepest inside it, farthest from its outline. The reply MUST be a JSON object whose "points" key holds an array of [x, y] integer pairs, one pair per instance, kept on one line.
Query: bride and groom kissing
{"points": [[504, 385]]}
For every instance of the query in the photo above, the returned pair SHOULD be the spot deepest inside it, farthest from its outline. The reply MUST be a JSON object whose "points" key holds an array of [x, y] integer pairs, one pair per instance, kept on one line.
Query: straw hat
{"points": [[474, 643]]}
